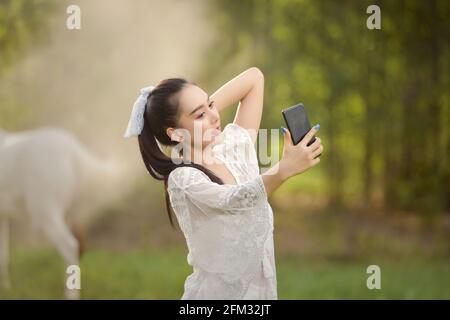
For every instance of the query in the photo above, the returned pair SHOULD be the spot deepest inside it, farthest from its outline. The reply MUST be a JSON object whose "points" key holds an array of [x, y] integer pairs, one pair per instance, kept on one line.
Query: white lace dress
{"points": [[228, 228]]}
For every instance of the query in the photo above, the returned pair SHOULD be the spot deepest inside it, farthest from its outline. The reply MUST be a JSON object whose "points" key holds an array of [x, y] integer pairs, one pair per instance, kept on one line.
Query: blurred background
{"points": [[380, 196]]}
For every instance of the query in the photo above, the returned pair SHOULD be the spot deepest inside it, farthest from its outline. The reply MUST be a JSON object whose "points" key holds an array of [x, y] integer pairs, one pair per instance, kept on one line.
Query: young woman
{"points": [[222, 205]]}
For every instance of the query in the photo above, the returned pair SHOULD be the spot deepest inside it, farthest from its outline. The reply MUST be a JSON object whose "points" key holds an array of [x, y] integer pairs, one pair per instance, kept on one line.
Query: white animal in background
{"points": [[40, 172]]}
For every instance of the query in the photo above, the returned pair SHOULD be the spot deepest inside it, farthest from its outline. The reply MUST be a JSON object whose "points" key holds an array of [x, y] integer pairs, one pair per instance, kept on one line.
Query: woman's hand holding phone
{"points": [[299, 158]]}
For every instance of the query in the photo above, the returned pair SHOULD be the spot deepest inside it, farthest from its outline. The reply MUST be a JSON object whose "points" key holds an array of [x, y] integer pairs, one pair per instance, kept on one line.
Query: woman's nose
{"points": [[214, 118]]}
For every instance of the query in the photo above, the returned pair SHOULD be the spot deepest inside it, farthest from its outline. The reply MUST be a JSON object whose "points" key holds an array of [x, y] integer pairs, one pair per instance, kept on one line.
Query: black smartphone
{"points": [[297, 122]]}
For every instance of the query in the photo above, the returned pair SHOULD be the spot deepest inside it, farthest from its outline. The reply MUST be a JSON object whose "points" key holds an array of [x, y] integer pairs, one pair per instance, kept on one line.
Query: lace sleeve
{"points": [[212, 197], [225, 226]]}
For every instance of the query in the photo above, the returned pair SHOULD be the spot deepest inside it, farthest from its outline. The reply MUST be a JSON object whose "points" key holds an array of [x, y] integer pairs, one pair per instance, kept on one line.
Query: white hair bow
{"points": [[136, 123]]}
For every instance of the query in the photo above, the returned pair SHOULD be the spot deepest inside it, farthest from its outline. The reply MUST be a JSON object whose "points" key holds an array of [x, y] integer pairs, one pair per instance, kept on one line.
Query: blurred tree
{"points": [[23, 24], [382, 96]]}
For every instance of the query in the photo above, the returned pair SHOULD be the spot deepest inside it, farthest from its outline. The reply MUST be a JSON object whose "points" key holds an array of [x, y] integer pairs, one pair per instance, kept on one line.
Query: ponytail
{"points": [[161, 112]]}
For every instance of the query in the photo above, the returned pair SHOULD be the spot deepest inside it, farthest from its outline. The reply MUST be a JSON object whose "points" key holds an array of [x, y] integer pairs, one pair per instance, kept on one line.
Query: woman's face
{"points": [[198, 116]]}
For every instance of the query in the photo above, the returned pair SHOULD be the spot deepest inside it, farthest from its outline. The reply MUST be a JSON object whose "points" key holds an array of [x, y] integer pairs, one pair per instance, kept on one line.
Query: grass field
{"points": [[133, 253], [161, 274]]}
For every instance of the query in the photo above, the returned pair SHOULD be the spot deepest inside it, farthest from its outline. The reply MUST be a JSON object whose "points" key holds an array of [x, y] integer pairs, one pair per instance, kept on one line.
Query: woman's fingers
{"points": [[287, 136], [316, 161], [317, 152], [316, 144], [307, 138]]}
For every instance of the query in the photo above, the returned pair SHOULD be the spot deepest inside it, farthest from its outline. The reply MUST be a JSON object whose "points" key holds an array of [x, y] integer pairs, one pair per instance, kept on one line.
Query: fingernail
{"points": [[283, 130], [317, 126]]}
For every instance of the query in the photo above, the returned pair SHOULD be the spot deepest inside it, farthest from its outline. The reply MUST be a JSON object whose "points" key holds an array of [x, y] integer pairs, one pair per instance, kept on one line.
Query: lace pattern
{"points": [[228, 228]]}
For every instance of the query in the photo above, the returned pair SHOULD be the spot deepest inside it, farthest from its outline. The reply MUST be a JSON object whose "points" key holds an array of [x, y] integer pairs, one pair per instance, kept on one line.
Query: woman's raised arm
{"points": [[248, 89]]}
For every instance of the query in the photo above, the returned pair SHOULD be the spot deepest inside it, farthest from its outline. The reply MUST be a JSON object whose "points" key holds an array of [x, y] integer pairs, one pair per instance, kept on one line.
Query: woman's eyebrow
{"points": [[193, 111]]}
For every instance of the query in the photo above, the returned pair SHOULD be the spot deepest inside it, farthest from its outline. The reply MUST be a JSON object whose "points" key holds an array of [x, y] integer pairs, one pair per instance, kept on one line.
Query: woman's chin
{"points": [[216, 138]]}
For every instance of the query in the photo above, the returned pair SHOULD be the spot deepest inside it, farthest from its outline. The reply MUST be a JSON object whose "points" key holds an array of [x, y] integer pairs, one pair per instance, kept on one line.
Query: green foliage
{"points": [[22, 24], [381, 96]]}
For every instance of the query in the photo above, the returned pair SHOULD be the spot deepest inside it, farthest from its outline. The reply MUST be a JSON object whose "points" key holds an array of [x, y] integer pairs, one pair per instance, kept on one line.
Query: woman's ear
{"points": [[173, 136]]}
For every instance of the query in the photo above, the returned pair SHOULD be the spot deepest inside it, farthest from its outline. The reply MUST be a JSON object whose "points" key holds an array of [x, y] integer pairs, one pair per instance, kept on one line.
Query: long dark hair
{"points": [[161, 112]]}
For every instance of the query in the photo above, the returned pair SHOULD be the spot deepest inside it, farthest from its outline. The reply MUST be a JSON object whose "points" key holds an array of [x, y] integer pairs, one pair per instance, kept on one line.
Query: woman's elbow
{"points": [[259, 74]]}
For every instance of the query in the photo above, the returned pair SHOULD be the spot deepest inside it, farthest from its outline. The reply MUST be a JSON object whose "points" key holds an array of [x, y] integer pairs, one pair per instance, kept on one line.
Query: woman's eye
{"points": [[211, 105]]}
